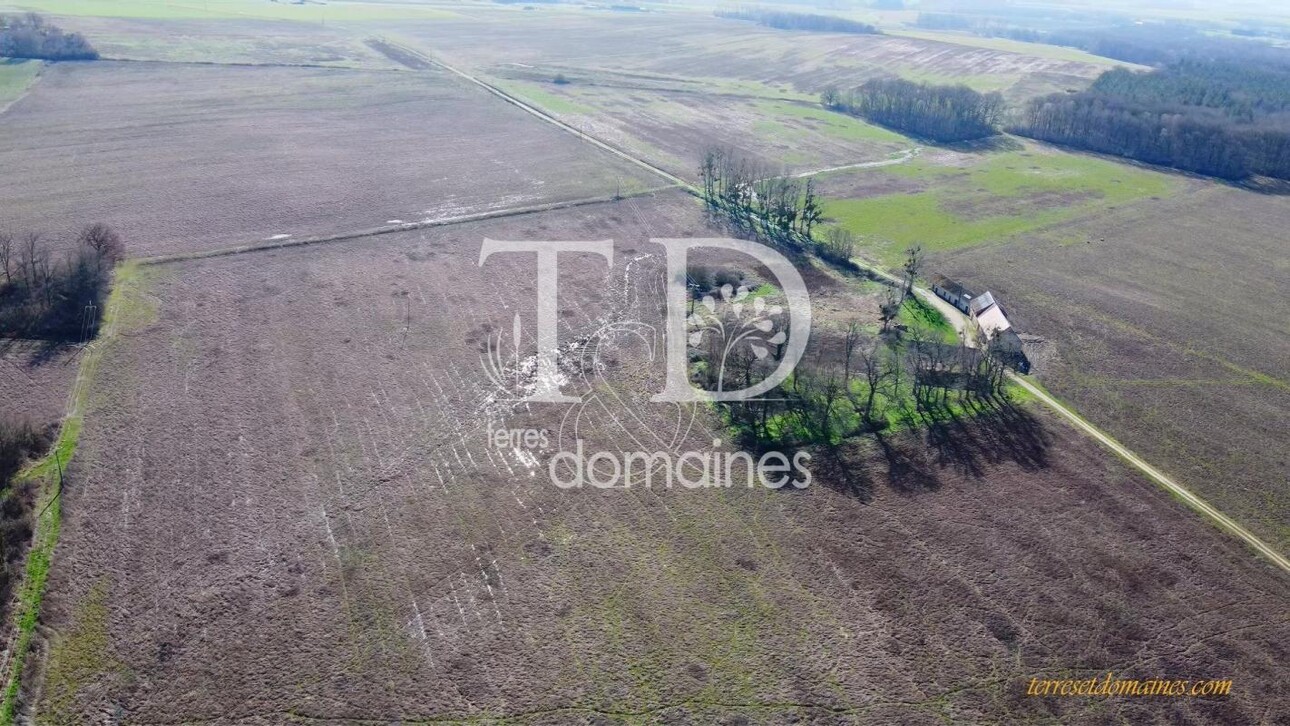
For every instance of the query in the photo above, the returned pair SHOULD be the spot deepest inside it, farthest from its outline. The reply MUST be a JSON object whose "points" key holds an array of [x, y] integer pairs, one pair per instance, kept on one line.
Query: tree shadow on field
{"points": [[907, 472], [991, 433], [39, 352], [991, 144], [845, 472], [997, 431]]}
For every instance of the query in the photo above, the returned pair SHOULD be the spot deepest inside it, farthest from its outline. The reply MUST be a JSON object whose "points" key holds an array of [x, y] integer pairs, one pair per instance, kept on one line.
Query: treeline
{"points": [[1242, 92], [56, 298], [29, 36], [1119, 37], [944, 21], [945, 114], [780, 211], [1207, 117], [800, 21]]}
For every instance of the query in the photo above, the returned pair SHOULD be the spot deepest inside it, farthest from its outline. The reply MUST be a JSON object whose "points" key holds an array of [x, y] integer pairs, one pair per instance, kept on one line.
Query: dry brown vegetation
{"points": [[284, 503]]}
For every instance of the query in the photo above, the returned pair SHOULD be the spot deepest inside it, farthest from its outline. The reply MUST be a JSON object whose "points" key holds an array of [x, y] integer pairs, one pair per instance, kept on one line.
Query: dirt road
{"points": [[904, 156], [960, 323], [1191, 500]]}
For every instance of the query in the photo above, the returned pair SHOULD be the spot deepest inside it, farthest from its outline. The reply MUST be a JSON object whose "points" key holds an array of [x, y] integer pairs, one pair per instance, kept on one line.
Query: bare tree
{"points": [[30, 257], [709, 172], [812, 210], [913, 263], [889, 308], [106, 244], [849, 345], [874, 375], [6, 256]]}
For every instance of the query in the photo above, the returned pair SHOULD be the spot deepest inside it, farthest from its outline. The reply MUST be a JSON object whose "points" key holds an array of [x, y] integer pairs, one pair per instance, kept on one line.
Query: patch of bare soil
{"points": [[35, 379], [865, 183], [189, 157]]}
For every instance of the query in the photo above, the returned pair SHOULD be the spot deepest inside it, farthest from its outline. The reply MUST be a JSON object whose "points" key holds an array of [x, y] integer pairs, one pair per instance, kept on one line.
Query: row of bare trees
{"points": [[58, 297], [781, 210], [746, 188], [799, 21]]}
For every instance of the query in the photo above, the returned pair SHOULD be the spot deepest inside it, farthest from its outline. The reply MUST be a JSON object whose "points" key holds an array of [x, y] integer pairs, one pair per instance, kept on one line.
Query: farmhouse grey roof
{"points": [[981, 302], [951, 286]]}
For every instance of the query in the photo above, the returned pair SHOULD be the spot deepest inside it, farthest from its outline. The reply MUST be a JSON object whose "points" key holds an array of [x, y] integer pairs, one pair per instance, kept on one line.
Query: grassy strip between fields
{"points": [[16, 76], [47, 475]]}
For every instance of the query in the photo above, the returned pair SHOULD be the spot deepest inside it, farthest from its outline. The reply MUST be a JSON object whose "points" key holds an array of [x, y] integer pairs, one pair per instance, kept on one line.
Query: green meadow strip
{"points": [[47, 473]]}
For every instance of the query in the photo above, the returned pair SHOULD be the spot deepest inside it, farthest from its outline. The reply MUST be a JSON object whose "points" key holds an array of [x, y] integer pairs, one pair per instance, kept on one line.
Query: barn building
{"points": [[989, 316], [952, 292]]}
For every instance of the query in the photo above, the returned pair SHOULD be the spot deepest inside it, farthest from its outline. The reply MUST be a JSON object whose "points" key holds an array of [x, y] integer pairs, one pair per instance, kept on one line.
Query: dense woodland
{"points": [[1209, 117], [29, 36], [1110, 36], [800, 21], [944, 114], [49, 298]]}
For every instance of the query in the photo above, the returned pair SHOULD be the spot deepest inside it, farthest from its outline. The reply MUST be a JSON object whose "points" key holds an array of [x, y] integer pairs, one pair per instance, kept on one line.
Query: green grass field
{"points": [[550, 97], [15, 77], [998, 197], [916, 312]]}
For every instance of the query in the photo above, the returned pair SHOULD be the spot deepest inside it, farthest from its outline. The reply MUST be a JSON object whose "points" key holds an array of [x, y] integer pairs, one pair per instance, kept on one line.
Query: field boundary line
{"points": [[539, 113], [391, 229], [903, 157]]}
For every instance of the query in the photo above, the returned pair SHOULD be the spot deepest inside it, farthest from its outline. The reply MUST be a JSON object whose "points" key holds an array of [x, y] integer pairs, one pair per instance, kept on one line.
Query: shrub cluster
{"points": [[29, 36], [56, 299]]}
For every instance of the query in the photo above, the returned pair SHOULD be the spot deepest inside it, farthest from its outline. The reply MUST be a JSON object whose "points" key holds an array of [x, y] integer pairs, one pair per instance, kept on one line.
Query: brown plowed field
{"points": [[189, 157], [1171, 322], [35, 379], [285, 505]]}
